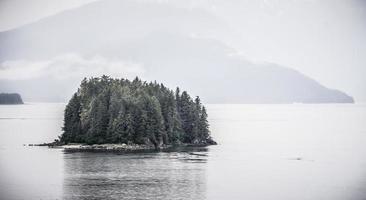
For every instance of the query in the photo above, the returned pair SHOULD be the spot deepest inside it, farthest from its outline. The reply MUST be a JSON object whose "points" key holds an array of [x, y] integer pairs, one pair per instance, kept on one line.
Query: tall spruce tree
{"points": [[72, 123], [204, 126]]}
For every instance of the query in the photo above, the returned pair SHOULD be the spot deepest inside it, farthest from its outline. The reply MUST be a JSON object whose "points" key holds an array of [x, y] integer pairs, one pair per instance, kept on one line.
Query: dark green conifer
{"points": [[72, 123]]}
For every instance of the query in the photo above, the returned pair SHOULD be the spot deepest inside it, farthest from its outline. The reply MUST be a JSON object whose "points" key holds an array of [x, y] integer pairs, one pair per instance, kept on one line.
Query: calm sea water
{"points": [[287, 152]]}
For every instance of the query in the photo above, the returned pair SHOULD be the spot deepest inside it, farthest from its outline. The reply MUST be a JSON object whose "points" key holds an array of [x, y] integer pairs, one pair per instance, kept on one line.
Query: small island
{"points": [[119, 114], [10, 98]]}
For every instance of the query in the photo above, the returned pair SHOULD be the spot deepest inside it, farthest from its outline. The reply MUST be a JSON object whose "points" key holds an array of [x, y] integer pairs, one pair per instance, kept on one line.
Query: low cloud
{"points": [[69, 66]]}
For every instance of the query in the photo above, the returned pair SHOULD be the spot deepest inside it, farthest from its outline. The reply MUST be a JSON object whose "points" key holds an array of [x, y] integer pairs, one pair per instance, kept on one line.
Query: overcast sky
{"points": [[323, 39]]}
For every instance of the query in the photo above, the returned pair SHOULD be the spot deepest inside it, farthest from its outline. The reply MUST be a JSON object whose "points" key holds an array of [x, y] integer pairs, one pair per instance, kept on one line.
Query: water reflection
{"points": [[164, 175]]}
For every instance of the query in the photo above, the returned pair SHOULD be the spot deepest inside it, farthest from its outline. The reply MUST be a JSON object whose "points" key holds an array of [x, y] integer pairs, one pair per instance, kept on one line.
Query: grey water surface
{"points": [[265, 152]]}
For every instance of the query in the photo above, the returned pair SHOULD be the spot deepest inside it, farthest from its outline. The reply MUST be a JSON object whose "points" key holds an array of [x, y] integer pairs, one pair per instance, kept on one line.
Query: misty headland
{"points": [[10, 98]]}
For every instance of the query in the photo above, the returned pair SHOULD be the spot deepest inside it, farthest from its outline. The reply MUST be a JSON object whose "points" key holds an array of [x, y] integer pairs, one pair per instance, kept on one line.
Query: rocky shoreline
{"points": [[74, 147]]}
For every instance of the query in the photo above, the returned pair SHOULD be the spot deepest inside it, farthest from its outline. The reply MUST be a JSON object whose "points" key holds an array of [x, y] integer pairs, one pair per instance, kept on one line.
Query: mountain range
{"points": [[45, 60]]}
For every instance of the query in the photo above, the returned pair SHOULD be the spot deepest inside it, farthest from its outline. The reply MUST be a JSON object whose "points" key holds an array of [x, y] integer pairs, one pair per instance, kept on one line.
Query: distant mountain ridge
{"points": [[172, 44]]}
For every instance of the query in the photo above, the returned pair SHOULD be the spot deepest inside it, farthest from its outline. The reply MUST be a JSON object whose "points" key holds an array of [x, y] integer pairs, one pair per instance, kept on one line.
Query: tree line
{"points": [[107, 110]]}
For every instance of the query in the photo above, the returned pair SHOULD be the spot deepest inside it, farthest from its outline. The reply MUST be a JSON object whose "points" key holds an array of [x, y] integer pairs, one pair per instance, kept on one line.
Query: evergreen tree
{"points": [[122, 129], [188, 117], [204, 126], [72, 124], [99, 116], [140, 126], [173, 127]]}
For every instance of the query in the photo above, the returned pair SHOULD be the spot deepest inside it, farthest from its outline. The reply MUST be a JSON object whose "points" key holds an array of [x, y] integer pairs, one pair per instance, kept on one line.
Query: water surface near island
{"points": [[282, 152]]}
